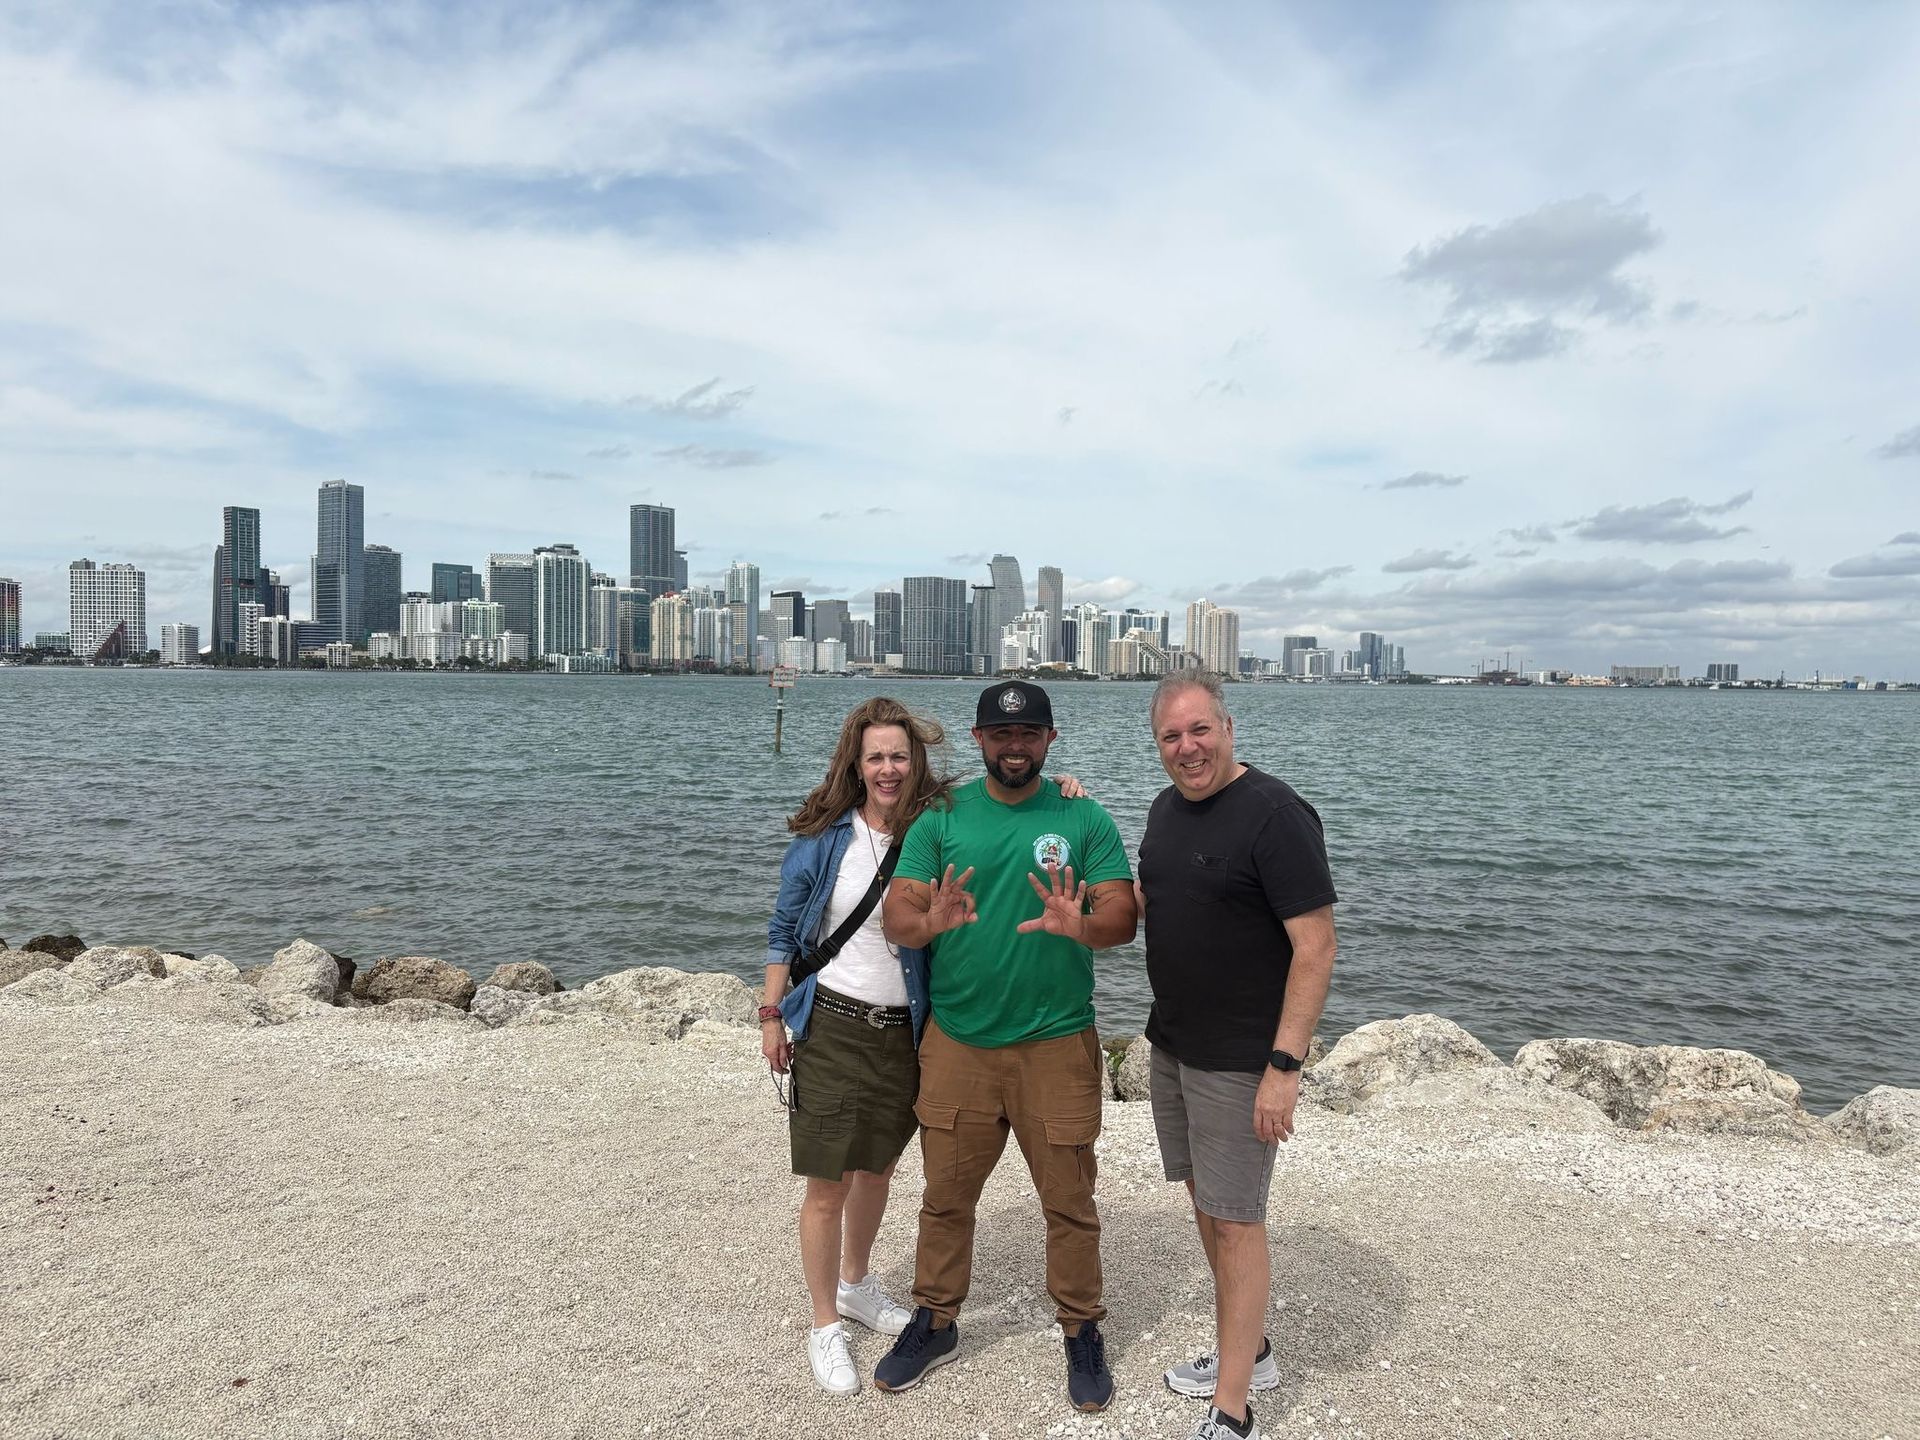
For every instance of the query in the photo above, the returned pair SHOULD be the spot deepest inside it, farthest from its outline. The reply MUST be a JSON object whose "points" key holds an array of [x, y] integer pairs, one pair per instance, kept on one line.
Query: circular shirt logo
{"points": [[1012, 701], [1052, 851]]}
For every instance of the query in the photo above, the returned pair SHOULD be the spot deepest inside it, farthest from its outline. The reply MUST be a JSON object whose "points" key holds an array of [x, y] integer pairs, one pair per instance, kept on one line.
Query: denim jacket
{"points": [[799, 919]]}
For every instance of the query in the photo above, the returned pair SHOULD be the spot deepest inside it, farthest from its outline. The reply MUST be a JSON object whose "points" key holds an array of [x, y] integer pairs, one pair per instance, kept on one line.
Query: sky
{"points": [[1578, 334]]}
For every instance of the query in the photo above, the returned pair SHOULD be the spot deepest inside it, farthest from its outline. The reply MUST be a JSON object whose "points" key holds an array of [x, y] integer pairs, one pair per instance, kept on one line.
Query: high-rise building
{"points": [[179, 644], [633, 639], [1050, 595], [236, 574], [381, 601], [1213, 634], [1291, 645], [829, 621], [886, 624], [9, 616], [789, 613], [743, 598], [860, 641], [713, 635], [983, 611], [1158, 621], [1069, 641], [679, 569], [829, 657], [933, 622], [339, 561], [1722, 673], [603, 617], [510, 586], [650, 557], [106, 611], [671, 639], [454, 582], [1093, 633], [276, 597], [562, 579], [1372, 656]]}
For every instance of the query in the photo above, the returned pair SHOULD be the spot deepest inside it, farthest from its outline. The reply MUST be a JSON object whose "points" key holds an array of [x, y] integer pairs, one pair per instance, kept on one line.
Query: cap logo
{"points": [[1012, 701]]}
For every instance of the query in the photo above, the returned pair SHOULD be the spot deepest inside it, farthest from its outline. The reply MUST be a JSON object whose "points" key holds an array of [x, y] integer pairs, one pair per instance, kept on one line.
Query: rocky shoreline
{"points": [[321, 1199], [1640, 1088]]}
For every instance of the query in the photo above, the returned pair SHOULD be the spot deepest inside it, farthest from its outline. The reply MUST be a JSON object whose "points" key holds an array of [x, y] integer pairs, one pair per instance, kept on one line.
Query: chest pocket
{"points": [[1208, 877]]}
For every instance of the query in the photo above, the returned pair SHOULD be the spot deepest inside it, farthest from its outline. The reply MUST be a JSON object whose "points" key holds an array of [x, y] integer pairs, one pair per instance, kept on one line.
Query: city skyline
{"points": [[1318, 312]]}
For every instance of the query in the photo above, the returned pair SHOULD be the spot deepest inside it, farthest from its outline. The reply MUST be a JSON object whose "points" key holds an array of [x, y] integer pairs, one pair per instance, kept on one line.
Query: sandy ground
{"points": [[339, 1227]]}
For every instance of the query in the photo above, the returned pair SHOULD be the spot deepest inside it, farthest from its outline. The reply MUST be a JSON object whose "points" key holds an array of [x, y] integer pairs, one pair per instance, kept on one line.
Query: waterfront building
{"points": [[511, 646], [106, 611], [983, 630], [1069, 641], [179, 644], [1157, 621], [482, 619], [238, 578], [1292, 645], [1723, 673], [713, 635], [796, 651], [381, 603], [1369, 656], [789, 610], [1050, 593], [455, 582], [933, 624], [339, 562], [886, 623], [1645, 674], [247, 617], [603, 617], [53, 642], [339, 654], [562, 578], [670, 641], [830, 657], [743, 598], [679, 569], [9, 616], [1138, 652], [510, 585], [275, 638], [1009, 591], [1093, 634], [830, 620], [383, 646], [580, 664], [1213, 634], [1027, 641], [860, 641], [650, 554], [633, 641]]}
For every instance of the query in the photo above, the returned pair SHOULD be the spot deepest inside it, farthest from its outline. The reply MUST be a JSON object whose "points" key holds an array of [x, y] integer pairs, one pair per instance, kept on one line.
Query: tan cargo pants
{"points": [[1048, 1093]]}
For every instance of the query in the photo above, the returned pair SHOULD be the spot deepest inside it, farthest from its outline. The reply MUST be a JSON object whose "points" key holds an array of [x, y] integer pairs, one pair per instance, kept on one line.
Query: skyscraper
{"points": [[1009, 598], [933, 620], [743, 598], [789, 613], [9, 616], [1051, 597], [983, 645], [829, 621], [339, 561], [1213, 633], [179, 644], [1291, 645], [106, 611], [1372, 655], [650, 556], [453, 583], [886, 624], [510, 586], [381, 608], [561, 582], [236, 574]]}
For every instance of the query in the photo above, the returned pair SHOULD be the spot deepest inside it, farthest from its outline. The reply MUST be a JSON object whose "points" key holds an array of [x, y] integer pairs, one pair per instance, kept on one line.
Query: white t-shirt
{"points": [[865, 969]]}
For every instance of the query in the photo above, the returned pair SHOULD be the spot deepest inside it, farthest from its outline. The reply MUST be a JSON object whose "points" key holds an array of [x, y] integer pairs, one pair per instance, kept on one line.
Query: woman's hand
{"points": [[1071, 788], [775, 1048]]}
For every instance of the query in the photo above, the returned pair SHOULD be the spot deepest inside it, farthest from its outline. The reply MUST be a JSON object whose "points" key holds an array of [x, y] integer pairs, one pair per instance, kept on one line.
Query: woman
{"points": [[856, 1022]]}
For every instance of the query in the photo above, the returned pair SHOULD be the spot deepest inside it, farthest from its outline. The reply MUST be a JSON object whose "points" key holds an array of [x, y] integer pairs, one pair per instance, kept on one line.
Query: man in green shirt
{"points": [[1013, 887]]}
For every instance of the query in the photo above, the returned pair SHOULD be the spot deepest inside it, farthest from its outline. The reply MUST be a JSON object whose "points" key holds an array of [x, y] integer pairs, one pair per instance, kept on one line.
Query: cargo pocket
{"points": [[939, 1139], [1070, 1165], [827, 1116]]}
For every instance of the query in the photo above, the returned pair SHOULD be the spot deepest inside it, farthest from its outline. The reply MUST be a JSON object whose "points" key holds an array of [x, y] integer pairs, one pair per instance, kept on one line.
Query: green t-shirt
{"points": [[991, 985]]}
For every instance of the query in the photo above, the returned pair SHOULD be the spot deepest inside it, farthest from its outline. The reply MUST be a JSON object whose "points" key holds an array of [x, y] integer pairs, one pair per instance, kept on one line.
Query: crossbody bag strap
{"points": [[817, 958]]}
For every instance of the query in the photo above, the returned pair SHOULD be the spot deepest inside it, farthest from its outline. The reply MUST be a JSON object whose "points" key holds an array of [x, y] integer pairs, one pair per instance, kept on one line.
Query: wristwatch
{"points": [[1281, 1060]]}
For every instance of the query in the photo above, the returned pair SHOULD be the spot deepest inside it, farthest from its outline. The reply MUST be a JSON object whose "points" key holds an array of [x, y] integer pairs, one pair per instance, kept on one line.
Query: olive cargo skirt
{"points": [[853, 1093]]}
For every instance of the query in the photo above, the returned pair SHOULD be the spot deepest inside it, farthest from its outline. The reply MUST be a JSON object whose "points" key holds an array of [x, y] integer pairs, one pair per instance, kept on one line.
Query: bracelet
{"points": [[770, 1012]]}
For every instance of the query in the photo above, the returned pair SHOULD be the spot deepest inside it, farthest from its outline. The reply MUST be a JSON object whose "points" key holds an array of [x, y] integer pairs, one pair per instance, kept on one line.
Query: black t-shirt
{"points": [[1220, 876]]}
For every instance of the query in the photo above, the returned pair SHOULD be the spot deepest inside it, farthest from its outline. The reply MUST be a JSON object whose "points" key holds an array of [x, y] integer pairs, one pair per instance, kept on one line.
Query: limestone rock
{"points": [[52, 986], [105, 966], [1506, 1101], [1885, 1120], [417, 977], [301, 969], [206, 967], [412, 1010], [660, 1000], [495, 1005], [524, 975], [1134, 1079], [1672, 1087], [1388, 1054], [62, 947], [194, 997], [18, 964]]}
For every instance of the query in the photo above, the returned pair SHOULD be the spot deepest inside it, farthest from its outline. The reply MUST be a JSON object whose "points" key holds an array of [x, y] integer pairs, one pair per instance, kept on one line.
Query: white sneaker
{"points": [[1217, 1427], [1196, 1376], [871, 1306], [832, 1365]]}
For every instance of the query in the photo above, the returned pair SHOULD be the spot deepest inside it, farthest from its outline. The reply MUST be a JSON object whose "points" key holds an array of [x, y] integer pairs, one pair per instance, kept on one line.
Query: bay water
{"points": [[1698, 867]]}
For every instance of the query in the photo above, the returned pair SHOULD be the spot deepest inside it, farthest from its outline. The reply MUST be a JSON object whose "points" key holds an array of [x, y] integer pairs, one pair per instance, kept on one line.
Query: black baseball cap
{"points": [[1013, 702]]}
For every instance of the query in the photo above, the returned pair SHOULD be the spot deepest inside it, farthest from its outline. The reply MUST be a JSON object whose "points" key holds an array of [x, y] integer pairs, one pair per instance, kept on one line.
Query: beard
{"points": [[1013, 780]]}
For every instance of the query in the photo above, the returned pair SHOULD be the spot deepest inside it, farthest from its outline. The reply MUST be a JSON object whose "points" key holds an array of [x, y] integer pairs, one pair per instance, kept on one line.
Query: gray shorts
{"points": [[1204, 1119]]}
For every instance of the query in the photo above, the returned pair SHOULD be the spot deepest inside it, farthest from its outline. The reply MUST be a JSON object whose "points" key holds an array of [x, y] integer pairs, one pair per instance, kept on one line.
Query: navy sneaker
{"points": [[1089, 1382], [919, 1349]]}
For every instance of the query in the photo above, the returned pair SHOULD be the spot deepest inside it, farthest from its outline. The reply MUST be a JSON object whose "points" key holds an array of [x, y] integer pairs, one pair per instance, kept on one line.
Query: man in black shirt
{"points": [[1240, 943]]}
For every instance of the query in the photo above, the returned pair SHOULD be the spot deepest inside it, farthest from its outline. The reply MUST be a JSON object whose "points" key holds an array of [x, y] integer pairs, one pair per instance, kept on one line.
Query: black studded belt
{"points": [[878, 1016]]}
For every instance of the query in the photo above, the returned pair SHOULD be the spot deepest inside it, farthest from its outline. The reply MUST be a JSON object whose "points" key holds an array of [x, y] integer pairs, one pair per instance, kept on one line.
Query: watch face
{"points": [[1281, 1060]]}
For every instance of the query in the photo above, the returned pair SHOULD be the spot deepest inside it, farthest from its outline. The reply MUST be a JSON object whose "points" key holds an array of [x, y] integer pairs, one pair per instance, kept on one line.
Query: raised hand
{"points": [[952, 904], [1063, 908]]}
